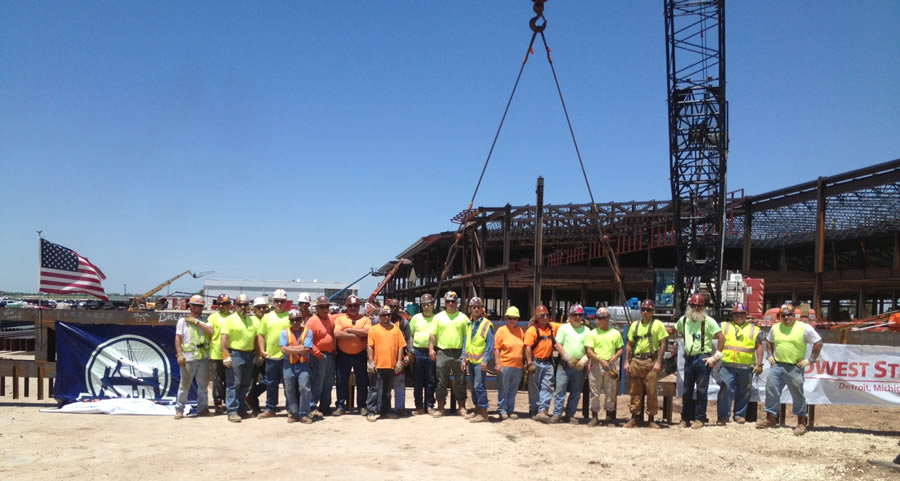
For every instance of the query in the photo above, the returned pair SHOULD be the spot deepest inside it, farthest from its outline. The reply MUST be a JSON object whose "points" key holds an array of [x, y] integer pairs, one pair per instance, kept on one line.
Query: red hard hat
{"points": [[223, 299], [541, 309], [648, 303], [739, 309], [426, 299], [697, 299]]}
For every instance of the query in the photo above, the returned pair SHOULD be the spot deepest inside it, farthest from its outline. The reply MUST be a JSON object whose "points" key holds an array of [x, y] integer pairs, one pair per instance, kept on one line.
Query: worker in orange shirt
{"points": [[509, 349], [386, 346], [351, 330], [322, 361], [539, 343]]}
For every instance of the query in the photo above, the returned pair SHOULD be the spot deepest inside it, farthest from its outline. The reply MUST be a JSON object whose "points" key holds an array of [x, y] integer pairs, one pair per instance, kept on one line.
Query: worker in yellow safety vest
{"points": [[742, 357], [192, 335], [479, 348]]}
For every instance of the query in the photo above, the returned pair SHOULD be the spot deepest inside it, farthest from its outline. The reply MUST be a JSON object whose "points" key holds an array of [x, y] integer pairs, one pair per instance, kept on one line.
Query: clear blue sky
{"points": [[281, 140]]}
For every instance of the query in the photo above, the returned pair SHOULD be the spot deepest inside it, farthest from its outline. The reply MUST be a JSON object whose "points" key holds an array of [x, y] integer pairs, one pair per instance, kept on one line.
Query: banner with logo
{"points": [[843, 374], [98, 361]]}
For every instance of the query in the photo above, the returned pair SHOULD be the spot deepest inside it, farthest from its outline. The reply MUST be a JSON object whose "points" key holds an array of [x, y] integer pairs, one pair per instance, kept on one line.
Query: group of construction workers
{"points": [[310, 351]]}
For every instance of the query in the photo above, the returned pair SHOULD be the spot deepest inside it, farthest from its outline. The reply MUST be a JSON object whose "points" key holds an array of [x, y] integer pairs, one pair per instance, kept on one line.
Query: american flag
{"points": [[63, 271]]}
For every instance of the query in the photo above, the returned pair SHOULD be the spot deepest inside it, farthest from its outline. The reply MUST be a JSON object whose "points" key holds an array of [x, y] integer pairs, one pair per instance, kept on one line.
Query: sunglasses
{"points": [[646, 309], [544, 315], [242, 305], [296, 319], [576, 315], [695, 305], [279, 302], [513, 318]]}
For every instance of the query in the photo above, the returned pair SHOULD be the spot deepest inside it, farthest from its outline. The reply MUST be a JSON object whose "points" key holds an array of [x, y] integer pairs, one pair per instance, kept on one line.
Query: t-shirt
{"points": [[323, 333], [217, 321], [356, 344], [196, 337], [543, 349], [449, 330], [691, 332], [270, 328], [385, 344], [510, 343], [241, 333], [604, 343], [645, 333], [421, 328], [809, 334], [572, 339], [788, 351]]}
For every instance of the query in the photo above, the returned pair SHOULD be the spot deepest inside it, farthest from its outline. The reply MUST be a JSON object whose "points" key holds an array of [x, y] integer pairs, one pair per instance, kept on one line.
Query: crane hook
{"points": [[539, 11]]}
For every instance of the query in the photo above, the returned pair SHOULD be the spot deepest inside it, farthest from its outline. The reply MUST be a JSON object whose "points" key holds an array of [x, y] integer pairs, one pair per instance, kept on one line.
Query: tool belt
{"points": [[645, 356], [422, 349]]}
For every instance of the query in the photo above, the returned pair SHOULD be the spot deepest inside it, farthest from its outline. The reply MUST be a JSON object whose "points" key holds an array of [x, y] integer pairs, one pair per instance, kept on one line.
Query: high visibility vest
{"points": [[790, 346], [293, 341], [740, 343], [195, 343], [475, 346]]}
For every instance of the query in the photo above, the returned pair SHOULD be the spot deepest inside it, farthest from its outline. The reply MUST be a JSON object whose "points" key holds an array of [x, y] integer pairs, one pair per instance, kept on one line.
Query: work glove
{"points": [[582, 363], [531, 368], [758, 369], [614, 374], [370, 366], [399, 366], [227, 362], [771, 360], [181, 361], [712, 360], [410, 359], [569, 359], [803, 363]]}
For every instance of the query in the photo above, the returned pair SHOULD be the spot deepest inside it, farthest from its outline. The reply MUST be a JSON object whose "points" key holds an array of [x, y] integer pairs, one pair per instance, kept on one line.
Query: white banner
{"points": [[843, 374]]}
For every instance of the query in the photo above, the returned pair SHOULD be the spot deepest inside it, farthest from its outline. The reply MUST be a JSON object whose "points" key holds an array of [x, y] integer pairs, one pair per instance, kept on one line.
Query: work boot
{"points": [[767, 422], [684, 424], [720, 422], [245, 415], [595, 420], [234, 417], [292, 419], [204, 414], [504, 416], [651, 423], [632, 423], [512, 416], [574, 420], [418, 412], [316, 414], [390, 415], [801, 427], [555, 419], [306, 420], [363, 412], [480, 417], [179, 414], [338, 412], [371, 418], [469, 414], [220, 410], [542, 417], [697, 424], [252, 404], [610, 418], [440, 410], [461, 408], [266, 414], [739, 420]]}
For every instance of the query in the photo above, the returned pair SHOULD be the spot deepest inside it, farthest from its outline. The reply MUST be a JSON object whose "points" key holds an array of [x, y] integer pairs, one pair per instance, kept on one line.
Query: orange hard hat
{"points": [[541, 310]]}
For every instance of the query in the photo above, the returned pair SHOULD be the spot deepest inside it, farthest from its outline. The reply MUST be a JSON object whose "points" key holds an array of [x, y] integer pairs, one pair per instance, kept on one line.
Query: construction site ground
{"points": [[37, 445]]}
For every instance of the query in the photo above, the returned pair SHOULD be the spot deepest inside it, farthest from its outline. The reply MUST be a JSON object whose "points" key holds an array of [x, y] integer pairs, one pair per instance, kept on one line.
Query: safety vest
{"points": [[790, 346], [475, 347], [740, 343], [196, 343], [293, 341]]}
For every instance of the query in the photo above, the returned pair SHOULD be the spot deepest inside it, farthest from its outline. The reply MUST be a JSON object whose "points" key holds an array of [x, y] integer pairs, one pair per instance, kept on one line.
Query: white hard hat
{"points": [[243, 299], [197, 299], [260, 301], [304, 297], [279, 295]]}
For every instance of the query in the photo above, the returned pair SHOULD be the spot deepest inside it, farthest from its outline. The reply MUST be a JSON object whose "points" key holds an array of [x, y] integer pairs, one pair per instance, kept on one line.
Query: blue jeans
{"points": [[237, 381], [399, 385], [479, 392], [296, 388], [272, 378], [423, 380], [696, 376], [779, 376], [356, 363], [381, 400], [568, 381], [509, 386], [322, 378], [540, 386], [734, 386]]}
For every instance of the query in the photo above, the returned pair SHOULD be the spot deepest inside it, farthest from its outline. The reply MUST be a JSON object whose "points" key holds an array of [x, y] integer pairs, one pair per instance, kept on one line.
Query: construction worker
{"points": [[217, 321], [401, 319], [420, 327], [786, 349], [539, 357], [238, 339], [698, 330], [269, 344], [322, 363], [479, 348], [296, 343], [257, 378], [570, 373], [509, 349], [304, 300], [742, 357], [643, 362], [445, 348], [351, 330], [385, 348], [192, 334], [604, 347]]}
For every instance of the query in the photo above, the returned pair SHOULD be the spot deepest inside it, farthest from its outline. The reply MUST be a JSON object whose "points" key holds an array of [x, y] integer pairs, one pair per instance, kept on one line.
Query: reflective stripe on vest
{"points": [[790, 346], [195, 344], [294, 342], [475, 347], [740, 345]]}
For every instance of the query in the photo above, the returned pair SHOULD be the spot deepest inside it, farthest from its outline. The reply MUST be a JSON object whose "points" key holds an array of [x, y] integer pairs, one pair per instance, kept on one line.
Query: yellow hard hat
{"points": [[513, 311]]}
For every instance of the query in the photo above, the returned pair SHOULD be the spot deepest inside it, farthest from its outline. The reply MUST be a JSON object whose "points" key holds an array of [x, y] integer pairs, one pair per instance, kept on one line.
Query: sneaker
{"points": [[573, 420], [720, 422], [179, 414], [555, 419], [292, 419], [697, 424], [266, 414], [371, 418], [234, 417], [504, 416], [306, 420], [740, 420], [632, 423], [338, 412]]}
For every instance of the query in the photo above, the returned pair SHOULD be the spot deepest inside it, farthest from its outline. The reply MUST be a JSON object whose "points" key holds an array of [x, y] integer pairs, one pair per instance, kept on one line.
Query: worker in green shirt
{"points": [[257, 378], [445, 348], [420, 327], [217, 321], [643, 362], [238, 336], [269, 344], [604, 347], [698, 329]]}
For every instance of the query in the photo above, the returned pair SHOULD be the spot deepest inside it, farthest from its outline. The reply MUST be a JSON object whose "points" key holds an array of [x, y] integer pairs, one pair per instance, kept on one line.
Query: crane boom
{"points": [[387, 278], [139, 302]]}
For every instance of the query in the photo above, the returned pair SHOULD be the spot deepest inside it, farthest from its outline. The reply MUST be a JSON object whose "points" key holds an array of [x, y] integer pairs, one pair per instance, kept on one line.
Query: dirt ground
{"points": [[36, 445]]}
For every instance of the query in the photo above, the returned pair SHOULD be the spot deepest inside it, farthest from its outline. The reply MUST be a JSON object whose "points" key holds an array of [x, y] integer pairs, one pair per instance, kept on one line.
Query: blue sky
{"points": [[314, 140]]}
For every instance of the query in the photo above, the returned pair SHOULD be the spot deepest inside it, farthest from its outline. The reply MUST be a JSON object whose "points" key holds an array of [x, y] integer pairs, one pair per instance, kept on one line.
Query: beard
{"points": [[697, 316]]}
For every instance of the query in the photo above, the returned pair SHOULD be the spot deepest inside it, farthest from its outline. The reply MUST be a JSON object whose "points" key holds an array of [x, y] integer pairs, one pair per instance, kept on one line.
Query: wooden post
{"points": [[40, 384], [15, 379]]}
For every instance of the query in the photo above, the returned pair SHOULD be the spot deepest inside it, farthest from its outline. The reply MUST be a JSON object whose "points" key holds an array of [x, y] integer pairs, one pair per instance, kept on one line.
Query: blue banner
{"points": [[100, 361]]}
